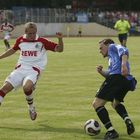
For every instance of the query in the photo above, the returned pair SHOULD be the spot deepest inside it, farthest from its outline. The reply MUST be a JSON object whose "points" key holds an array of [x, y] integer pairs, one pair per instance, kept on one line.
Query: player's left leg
{"points": [[7, 45], [28, 91], [121, 110], [124, 39]]}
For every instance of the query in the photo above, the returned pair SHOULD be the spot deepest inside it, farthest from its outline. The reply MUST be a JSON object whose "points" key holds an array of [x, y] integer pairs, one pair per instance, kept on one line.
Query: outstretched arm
{"points": [[60, 45], [7, 53], [100, 71]]}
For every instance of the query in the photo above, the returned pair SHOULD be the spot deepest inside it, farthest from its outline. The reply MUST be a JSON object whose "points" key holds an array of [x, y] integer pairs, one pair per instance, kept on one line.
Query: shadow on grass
{"points": [[132, 137], [44, 127], [60, 129], [47, 128]]}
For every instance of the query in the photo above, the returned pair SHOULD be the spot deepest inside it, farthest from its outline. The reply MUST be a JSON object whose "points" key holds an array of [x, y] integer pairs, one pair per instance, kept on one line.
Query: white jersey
{"points": [[33, 53], [7, 28]]}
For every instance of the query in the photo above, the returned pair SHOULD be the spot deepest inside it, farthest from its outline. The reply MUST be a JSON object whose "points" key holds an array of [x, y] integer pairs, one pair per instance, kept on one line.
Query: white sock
{"points": [[126, 118], [1, 99], [31, 107]]}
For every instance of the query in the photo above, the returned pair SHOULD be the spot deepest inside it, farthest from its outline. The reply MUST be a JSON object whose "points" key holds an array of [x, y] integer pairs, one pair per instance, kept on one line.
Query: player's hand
{"points": [[99, 68], [59, 35]]}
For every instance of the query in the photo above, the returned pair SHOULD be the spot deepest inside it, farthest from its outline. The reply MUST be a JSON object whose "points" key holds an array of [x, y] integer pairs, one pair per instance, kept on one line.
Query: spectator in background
{"points": [[6, 28], [123, 27]]}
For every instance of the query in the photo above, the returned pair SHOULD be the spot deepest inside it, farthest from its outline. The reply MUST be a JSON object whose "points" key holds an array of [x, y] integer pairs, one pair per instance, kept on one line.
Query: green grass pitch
{"points": [[64, 95]]}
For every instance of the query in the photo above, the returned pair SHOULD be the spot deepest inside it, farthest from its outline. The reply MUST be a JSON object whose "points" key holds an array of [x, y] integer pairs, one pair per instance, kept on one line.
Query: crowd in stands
{"points": [[47, 15], [109, 18]]}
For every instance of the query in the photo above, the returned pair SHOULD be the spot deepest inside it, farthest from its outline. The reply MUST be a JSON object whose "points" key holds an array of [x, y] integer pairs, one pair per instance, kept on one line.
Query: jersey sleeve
{"points": [[122, 51], [11, 26], [118, 49], [16, 45], [48, 45]]}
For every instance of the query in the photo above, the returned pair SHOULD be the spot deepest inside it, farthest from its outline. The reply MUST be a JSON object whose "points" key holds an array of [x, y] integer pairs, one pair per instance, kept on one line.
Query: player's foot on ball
{"points": [[111, 135], [130, 126], [32, 113]]}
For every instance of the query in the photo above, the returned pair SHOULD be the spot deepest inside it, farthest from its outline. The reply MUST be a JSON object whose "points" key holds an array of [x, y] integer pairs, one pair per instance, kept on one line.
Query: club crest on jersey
{"points": [[38, 45]]}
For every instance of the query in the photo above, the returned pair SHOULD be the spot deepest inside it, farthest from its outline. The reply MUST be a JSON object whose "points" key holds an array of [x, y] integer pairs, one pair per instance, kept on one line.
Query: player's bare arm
{"points": [[124, 69], [60, 45], [101, 71], [7, 53]]}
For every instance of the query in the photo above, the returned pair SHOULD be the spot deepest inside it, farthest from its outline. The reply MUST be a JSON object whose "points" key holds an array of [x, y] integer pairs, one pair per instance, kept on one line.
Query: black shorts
{"points": [[122, 37], [114, 87]]}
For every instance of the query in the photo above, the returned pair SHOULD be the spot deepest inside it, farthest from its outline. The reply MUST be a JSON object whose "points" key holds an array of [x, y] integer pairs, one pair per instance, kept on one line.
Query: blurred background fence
{"points": [[21, 15]]}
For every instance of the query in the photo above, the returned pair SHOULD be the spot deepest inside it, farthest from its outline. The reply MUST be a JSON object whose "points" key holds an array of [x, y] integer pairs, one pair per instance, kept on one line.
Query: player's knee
{"points": [[115, 103], [98, 103], [95, 104], [27, 90]]}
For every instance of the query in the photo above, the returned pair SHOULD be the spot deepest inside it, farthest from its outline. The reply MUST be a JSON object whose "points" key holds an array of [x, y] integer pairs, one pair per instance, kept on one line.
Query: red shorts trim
{"points": [[18, 66], [36, 69]]}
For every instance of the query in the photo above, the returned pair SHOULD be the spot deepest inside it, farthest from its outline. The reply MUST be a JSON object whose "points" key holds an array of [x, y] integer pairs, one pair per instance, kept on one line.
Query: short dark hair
{"points": [[107, 41]]}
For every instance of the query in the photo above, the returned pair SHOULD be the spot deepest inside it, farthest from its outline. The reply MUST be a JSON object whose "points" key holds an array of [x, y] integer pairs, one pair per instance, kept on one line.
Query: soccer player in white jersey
{"points": [[6, 28], [32, 60]]}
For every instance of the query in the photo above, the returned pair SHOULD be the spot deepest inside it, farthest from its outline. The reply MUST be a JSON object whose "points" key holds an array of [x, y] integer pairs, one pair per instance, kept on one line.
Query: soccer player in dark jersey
{"points": [[118, 82]]}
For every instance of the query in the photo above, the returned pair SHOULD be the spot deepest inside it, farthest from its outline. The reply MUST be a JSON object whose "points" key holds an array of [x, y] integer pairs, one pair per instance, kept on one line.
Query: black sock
{"points": [[104, 116], [120, 108]]}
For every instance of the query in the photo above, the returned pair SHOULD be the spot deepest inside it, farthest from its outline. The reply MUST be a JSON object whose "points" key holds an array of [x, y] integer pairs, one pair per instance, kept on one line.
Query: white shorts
{"points": [[7, 37], [20, 75]]}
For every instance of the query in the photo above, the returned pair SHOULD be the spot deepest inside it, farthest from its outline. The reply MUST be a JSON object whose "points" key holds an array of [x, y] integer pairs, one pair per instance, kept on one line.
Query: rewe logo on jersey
{"points": [[29, 53]]}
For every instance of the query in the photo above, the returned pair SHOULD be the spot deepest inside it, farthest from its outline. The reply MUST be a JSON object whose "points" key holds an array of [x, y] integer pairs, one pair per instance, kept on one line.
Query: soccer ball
{"points": [[92, 127]]}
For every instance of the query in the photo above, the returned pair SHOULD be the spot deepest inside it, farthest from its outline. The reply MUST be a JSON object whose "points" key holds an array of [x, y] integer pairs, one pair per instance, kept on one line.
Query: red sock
{"points": [[2, 94]]}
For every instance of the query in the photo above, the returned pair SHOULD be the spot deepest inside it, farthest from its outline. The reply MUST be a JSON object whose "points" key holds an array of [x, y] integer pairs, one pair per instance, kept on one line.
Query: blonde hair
{"points": [[30, 25]]}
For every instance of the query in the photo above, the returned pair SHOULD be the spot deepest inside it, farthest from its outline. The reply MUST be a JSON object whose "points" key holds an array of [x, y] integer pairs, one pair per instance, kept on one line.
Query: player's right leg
{"points": [[103, 115], [7, 87]]}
